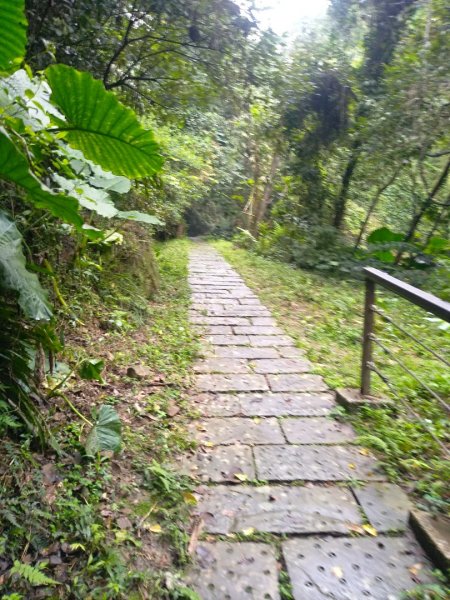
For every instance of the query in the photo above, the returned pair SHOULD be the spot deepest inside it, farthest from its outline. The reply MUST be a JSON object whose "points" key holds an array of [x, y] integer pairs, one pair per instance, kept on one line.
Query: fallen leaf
{"points": [[193, 540], [338, 572], [351, 465], [414, 569], [208, 444], [364, 451], [355, 528], [248, 531], [190, 498], [370, 530], [241, 476], [256, 420], [155, 528]]}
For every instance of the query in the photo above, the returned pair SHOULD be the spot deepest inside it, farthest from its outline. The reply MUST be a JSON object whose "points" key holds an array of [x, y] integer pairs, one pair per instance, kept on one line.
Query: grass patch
{"points": [[324, 316]]}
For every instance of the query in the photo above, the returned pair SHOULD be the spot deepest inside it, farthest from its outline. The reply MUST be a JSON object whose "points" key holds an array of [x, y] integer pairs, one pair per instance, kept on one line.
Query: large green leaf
{"points": [[32, 298], [14, 168], [384, 235], [13, 34], [107, 132], [105, 434]]}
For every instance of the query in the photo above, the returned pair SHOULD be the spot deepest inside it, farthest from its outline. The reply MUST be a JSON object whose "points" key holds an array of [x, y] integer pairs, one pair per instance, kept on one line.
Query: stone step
{"points": [[227, 571], [316, 430], [355, 569], [315, 463], [235, 430], [278, 509], [264, 404]]}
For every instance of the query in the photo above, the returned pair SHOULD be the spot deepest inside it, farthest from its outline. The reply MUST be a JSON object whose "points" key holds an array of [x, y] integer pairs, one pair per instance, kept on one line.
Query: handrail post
{"points": [[369, 318]]}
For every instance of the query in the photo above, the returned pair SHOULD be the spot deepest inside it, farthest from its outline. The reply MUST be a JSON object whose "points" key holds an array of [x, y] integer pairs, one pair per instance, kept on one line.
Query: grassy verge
{"points": [[324, 315], [113, 526]]}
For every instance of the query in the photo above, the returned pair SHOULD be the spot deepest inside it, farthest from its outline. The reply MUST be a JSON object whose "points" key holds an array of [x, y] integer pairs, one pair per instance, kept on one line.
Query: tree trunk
{"points": [[260, 207], [425, 206], [373, 205], [341, 201]]}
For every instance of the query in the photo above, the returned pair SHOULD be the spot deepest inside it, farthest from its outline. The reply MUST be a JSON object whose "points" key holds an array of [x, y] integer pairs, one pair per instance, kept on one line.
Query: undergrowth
{"points": [[114, 526]]}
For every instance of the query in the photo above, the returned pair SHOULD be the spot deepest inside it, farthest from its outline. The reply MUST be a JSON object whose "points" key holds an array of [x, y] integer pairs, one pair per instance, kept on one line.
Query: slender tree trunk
{"points": [[260, 207], [425, 206], [374, 203], [341, 200]]}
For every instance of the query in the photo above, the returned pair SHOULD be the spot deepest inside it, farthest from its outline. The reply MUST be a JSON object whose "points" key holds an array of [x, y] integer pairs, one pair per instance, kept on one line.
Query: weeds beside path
{"points": [[113, 527]]}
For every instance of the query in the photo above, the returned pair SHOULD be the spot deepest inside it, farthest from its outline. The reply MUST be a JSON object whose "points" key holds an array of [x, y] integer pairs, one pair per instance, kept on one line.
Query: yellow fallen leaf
{"points": [[355, 528], [338, 572], [241, 476], [370, 530], [208, 444], [256, 420], [415, 568], [351, 465], [248, 531], [190, 498], [364, 451], [155, 528]]}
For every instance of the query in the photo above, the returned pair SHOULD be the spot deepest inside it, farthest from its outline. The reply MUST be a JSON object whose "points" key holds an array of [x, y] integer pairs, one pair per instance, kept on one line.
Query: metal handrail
{"points": [[438, 307]]}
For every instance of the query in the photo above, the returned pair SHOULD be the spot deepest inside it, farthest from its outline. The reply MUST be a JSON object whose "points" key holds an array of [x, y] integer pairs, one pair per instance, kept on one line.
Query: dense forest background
{"points": [[127, 123]]}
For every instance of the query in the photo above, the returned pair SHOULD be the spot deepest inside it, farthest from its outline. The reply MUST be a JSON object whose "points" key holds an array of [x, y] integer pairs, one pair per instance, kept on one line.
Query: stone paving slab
{"points": [[263, 404], [281, 365], [235, 430], [385, 504], [250, 301], [314, 463], [296, 383], [228, 340], [278, 509], [291, 352], [219, 464], [239, 571], [354, 569], [263, 321], [257, 330], [246, 352], [204, 320], [222, 365], [316, 430], [230, 383], [237, 311]]}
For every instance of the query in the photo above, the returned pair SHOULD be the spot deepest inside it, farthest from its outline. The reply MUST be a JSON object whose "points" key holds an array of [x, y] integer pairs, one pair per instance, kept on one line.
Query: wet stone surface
{"points": [[354, 569], [316, 430], [385, 504], [239, 571], [237, 430], [278, 509], [314, 463]]}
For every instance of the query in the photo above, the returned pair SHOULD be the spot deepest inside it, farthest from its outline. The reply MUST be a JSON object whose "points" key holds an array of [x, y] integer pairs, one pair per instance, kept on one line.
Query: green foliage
{"points": [[14, 36], [32, 298], [96, 123], [106, 432], [33, 575], [91, 368]]}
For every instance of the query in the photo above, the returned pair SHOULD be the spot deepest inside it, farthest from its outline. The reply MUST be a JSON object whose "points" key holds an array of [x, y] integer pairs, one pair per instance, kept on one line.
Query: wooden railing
{"points": [[430, 303]]}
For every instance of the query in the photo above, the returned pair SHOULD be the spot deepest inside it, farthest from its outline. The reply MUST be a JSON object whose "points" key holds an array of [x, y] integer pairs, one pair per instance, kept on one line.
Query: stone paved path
{"points": [[275, 469]]}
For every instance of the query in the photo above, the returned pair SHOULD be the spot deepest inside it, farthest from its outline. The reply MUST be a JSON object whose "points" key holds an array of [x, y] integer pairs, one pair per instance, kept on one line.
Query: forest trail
{"points": [[285, 496]]}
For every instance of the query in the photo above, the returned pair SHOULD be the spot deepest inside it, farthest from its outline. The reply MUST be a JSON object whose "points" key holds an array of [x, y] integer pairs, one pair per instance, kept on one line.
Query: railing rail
{"points": [[428, 302]]}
